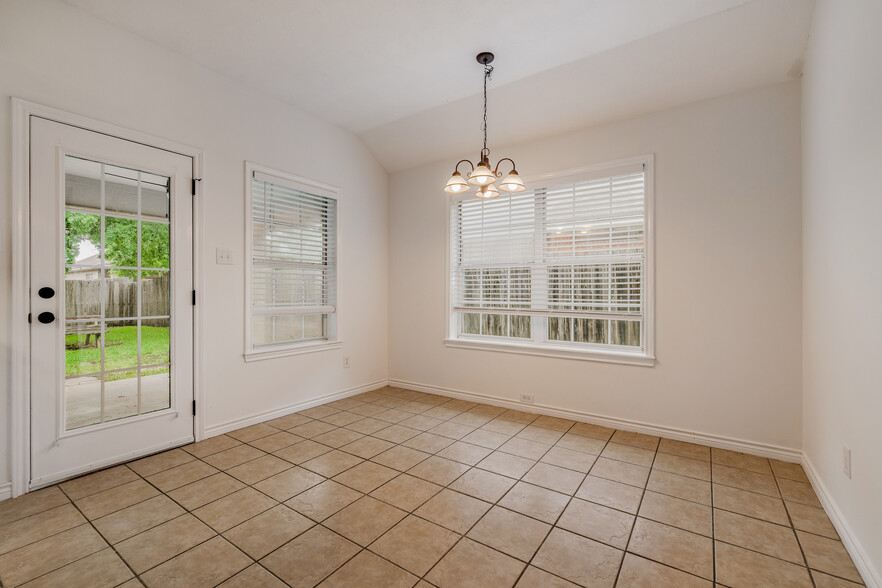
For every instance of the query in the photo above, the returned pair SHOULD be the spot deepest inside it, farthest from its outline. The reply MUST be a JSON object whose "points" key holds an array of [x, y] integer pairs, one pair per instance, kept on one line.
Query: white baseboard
{"points": [[5, 490], [219, 429], [718, 441], [872, 577]]}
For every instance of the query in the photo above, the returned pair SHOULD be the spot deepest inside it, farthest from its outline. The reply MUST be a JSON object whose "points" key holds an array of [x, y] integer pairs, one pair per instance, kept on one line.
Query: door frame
{"points": [[20, 385]]}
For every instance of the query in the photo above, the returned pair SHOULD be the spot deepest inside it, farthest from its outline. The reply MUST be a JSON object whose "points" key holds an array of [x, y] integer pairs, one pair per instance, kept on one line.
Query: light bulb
{"points": [[456, 184]]}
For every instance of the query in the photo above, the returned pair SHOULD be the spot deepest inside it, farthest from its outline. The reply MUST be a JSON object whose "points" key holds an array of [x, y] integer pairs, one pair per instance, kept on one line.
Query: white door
{"points": [[111, 274]]}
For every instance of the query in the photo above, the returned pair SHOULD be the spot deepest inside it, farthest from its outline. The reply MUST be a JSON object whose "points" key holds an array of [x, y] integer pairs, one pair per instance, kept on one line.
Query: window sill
{"points": [[295, 349], [557, 352]]}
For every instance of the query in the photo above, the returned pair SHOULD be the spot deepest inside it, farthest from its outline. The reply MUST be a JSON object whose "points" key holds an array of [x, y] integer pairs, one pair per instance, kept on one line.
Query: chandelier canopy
{"points": [[481, 175]]}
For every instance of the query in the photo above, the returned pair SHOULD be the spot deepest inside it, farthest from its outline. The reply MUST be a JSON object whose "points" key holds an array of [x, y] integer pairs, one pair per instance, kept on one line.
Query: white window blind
{"points": [[563, 264], [294, 261]]}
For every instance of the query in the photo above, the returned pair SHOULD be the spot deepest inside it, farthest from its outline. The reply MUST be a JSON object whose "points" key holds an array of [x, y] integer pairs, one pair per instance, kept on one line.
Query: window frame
{"points": [[545, 348], [334, 338]]}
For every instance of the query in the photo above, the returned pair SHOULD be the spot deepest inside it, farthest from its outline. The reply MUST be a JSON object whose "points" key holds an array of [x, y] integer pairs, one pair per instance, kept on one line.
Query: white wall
{"points": [[56, 55], [728, 259], [842, 277]]}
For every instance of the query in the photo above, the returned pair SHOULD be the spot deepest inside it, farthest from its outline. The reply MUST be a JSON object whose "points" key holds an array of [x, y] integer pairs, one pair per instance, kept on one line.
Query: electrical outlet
{"points": [[345, 361], [846, 461], [224, 256], [527, 398]]}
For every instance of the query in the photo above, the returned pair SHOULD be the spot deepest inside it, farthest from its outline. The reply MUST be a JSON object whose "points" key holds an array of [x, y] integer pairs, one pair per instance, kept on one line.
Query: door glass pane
{"points": [[82, 183], [154, 245], [82, 401], [155, 385], [120, 189], [82, 239], [154, 196], [155, 293], [121, 243], [120, 294], [154, 342], [120, 394]]}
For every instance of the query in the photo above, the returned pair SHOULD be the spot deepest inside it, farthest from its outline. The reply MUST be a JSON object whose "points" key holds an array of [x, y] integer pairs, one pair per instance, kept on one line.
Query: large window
{"points": [[563, 269], [293, 263]]}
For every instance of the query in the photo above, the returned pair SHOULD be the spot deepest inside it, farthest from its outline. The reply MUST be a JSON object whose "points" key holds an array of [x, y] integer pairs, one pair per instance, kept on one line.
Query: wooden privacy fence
{"points": [[82, 299]]}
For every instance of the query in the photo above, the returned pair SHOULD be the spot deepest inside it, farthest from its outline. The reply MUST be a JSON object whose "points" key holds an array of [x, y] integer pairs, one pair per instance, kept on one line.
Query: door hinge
{"points": [[194, 408], [29, 318], [194, 297], [194, 185]]}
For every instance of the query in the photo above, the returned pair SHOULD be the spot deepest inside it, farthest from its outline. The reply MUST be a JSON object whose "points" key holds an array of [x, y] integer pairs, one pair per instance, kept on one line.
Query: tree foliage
{"points": [[120, 241]]}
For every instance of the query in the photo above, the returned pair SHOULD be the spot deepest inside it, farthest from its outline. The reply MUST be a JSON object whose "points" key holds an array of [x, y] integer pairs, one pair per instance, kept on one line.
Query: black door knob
{"points": [[46, 292], [46, 317]]}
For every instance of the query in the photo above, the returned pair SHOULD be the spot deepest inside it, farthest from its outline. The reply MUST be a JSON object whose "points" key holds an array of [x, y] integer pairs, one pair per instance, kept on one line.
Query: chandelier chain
{"points": [[488, 69]]}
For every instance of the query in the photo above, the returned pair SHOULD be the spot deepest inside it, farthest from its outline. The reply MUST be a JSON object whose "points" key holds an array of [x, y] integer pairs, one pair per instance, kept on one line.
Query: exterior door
{"points": [[111, 270]]}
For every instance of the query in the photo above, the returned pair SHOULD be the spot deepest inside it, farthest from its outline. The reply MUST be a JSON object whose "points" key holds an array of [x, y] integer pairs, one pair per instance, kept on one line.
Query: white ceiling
{"points": [[402, 74]]}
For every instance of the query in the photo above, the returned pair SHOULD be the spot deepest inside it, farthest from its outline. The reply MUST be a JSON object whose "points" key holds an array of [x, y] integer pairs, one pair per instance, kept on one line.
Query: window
{"points": [[559, 270], [293, 264]]}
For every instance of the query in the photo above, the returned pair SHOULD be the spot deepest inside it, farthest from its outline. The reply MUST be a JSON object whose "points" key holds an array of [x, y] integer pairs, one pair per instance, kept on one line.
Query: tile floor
{"points": [[399, 488]]}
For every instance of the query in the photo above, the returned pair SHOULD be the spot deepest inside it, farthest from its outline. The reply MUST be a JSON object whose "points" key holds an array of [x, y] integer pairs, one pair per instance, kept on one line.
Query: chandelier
{"points": [[482, 176]]}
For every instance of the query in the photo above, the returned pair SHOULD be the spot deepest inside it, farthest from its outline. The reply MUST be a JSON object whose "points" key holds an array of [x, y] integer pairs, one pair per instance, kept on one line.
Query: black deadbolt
{"points": [[46, 292], [46, 317]]}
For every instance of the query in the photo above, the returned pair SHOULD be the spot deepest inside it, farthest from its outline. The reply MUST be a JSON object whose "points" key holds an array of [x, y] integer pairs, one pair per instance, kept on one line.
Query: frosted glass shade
{"points": [[487, 192], [482, 175], [456, 184], [512, 183]]}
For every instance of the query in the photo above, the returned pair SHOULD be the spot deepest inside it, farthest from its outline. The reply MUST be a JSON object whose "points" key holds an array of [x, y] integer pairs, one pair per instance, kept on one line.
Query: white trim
{"points": [[731, 443], [22, 111], [871, 576], [5, 491], [253, 170], [261, 417], [509, 346]]}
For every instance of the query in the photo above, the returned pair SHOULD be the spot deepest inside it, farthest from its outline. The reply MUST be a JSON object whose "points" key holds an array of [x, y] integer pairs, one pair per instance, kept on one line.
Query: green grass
{"points": [[120, 351]]}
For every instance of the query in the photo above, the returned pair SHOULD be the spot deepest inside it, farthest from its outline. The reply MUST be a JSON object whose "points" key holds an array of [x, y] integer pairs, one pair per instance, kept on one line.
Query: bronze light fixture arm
{"points": [[498, 173]]}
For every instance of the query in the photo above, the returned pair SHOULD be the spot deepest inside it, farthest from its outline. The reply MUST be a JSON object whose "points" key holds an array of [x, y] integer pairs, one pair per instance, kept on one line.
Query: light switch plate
{"points": [[224, 256]]}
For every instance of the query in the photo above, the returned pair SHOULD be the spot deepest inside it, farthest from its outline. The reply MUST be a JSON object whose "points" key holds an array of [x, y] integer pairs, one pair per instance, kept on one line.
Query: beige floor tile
{"points": [[441, 412], [259, 469], [438, 470], [519, 416], [593, 431], [49, 554], [97, 482], [366, 569], [486, 410], [323, 500], [337, 438], [14, 509], [368, 410], [823, 580], [415, 407], [800, 492], [535, 578], [674, 547], [181, 475], [161, 543], [229, 458], [597, 522], [567, 458], [745, 480], [428, 442], [677, 512], [311, 429], [684, 449], [103, 569], [267, 531], [341, 419], [309, 558], [619, 471], [233, 509], [367, 447], [756, 535], [160, 462], [39, 526], [482, 484], [580, 443], [421, 423], [288, 421], [254, 576], [130, 521], [406, 492], [332, 463], [680, 486], [470, 420], [465, 453], [453, 510], [394, 416], [629, 453], [554, 423], [254, 432], [579, 560], [289, 483], [693, 468], [277, 441], [366, 477], [539, 503], [636, 440], [788, 471], [554, 478], [524, 448], [205, 565], [302, 451], [396, 433], [364, 520], [751, 504], [415, 544], [811, 519], [610, 493], [367, 426], [503, 426], [506, 464], [540, 435], [452, 430], [118, 498], [318, 412], [827, 555], [742, 461], [208, 489], [638, 572], [510, 532], [400, 458], [740, 568], [463, 405], [211, 445], [487, 439], [471, 564]]}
